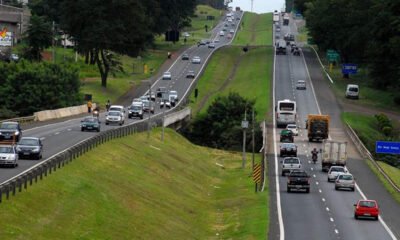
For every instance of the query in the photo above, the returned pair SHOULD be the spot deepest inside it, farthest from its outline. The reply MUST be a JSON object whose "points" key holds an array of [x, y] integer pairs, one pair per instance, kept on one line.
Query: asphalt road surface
{"points": [[57, 137], [324, 213]]}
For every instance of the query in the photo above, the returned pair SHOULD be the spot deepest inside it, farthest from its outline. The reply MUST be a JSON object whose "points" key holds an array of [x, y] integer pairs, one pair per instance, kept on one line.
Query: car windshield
{"points": [[288, 145], [28, 142], [291, 160], [6, 150], [291, 126], [369, 204], [298, 174], [90, 119], [9, 126], [113, 113], [135, 107], [337, 170], [353, 89], [146, 103], [115, 109], [346, 177]]}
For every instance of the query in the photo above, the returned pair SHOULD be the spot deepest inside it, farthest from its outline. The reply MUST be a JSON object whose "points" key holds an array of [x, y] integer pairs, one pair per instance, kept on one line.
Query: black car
{"points": [[286, 136], [190, 74], [288, 150], [30, 147], [10, 131], [185, 56], [90, 123], [135, 110], [160, 91]]}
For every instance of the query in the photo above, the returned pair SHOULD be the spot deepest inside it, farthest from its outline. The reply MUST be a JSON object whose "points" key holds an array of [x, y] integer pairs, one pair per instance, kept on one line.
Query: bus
{"points": [[285, 112]]}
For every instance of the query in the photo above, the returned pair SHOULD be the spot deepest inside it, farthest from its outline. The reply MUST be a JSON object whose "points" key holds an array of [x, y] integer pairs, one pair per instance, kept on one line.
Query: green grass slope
{"points": [[231, 70], [134, 188], [255, 30]]}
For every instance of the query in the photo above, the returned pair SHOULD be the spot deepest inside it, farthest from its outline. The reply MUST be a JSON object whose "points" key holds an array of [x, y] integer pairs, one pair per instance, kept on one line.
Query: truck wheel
{"points": [[288, 189], [283, 174], [307, 190], [355, 216]]}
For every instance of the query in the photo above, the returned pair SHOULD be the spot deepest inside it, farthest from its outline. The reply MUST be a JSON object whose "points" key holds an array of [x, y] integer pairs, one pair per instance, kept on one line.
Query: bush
{"points": [[387, 131], [396, 99], [384, 124]]}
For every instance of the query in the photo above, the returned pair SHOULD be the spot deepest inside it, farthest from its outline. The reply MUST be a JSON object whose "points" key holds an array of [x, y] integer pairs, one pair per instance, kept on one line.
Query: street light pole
{"points": [[163, 121], [245, 125], [252, 133], [148, 120]]}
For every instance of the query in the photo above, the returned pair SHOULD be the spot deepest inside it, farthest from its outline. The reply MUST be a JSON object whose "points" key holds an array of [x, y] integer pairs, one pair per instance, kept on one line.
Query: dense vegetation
{"points": [[28, 87], [102, 28], [220, 127], [366, 32], [218, 4]]}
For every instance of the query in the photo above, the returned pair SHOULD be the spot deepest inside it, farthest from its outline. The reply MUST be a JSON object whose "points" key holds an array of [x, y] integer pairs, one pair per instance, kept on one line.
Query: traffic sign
{"points": [[332, 55], [387, 147], [349, 68], [245, 124]]}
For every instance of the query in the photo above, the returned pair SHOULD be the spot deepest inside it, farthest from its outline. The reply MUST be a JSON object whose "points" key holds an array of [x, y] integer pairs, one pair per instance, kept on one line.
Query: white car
{"points": [[137, 101], [335, 171], [115, 117], [173, 97], [186, 34], [196, 60], [289, 164], [345, 180], [216, 40], [118, 108], [231, 31], [167, 76], [293, 128], [221, 33], [8, 155]]}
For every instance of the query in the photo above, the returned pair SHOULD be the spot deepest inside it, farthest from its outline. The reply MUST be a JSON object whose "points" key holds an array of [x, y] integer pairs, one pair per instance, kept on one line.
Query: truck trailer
{"points": [[334, 153], [318, 127]]}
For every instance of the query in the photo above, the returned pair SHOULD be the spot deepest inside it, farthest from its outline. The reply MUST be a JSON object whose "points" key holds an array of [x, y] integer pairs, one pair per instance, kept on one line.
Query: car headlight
{"points": [[18, 149], [35, 149], [11, 157], [16, 133], [130, 112], [83, 125]]}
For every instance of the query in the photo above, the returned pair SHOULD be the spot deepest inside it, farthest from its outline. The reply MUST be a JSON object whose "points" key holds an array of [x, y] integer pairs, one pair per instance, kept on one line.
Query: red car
{"points": [[366, 208]]}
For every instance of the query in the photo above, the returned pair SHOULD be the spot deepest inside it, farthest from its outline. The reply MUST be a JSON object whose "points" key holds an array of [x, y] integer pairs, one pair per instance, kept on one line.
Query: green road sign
{"points": [[332, 55]]}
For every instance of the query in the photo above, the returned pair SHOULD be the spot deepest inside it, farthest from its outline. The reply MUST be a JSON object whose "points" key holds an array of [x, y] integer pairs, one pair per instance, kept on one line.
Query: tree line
{"points": [[366, 32], [101, 29]]}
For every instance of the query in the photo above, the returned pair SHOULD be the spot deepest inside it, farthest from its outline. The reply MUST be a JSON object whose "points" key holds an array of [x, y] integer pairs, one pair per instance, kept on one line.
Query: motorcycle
{"points": [[96, 113], [314, 158]]}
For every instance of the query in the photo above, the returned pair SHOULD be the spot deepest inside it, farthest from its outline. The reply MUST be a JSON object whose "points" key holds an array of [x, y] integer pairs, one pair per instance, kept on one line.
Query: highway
{"points": [[57, 137], [324, 213]]}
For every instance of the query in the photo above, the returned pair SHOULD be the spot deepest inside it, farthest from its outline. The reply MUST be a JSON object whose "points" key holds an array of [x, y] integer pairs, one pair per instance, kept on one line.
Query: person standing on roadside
{"points": [[89, 106]]}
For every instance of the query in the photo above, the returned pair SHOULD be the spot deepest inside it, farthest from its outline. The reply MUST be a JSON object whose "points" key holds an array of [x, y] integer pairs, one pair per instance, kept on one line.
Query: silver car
{"points": [[345, 180]]}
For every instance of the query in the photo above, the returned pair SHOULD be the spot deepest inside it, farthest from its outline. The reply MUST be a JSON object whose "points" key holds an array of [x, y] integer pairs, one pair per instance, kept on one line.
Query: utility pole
{"points": [[245, 125], [163, 121], [252, 3], [148, 120], [252, 133], [54, 47]]}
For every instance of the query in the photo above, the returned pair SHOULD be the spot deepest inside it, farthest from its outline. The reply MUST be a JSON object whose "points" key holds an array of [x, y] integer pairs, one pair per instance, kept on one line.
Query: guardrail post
{"points": [[31, 178], [8, 191], [20, 180], [26, 181], [1, 194], [14, 187]]}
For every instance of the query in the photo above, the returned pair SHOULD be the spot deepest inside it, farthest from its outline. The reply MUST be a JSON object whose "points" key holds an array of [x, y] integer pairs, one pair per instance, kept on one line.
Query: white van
{"points": [[352, 91]]}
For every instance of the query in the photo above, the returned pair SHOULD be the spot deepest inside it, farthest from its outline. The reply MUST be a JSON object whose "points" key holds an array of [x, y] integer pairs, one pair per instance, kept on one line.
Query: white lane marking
{"points": [[278, 196], [314, 175], [312, 169], [323, 67], [380, 218], [336, 231], [56, 133], [309, 162], [331, 219], [42, 138], [317, 183], [69, 129], [319, 190], [323, 199], [327, 209]]}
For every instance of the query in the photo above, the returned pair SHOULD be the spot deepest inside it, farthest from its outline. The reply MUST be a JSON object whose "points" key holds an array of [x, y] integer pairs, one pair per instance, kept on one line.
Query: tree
{"points": [[220, 126], [38, 37]]}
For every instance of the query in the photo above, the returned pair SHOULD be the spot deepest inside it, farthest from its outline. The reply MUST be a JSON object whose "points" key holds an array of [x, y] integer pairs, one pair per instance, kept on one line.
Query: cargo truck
{"points": [[334, 153], [275, 18], [318, 127]]}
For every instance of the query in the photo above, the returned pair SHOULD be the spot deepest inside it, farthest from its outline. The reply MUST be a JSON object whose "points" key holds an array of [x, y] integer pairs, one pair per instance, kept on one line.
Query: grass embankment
{"points": [[255, 30], [134, 188], [231, 70], [366, 128]]}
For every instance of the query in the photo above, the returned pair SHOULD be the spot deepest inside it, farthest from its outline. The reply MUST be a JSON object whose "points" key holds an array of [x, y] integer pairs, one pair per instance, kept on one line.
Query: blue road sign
{"points": [[387, 147], [349, 68]]}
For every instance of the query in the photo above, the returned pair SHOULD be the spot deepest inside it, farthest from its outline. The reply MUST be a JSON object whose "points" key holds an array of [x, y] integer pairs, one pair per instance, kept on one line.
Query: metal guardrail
{"points": [[264, 151], [21, 120], [366, 154], [42, 169]]}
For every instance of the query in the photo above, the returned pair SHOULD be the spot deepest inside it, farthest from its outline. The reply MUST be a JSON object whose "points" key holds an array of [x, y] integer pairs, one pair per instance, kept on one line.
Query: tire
{"points": [[376, 218], [98, 130], [283, 174], [106, 123], [289, 189], [82, 129], [329, 180], [336, 188], [307, 190], [352, 189], [355, 216]]}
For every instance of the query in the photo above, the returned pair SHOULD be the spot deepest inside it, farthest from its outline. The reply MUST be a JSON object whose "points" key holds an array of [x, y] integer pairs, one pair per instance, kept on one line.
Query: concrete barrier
{"points": [[61, 112], [177, 116]]}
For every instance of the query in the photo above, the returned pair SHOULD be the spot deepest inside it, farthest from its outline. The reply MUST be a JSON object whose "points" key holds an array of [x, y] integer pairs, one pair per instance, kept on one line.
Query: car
{"points": [[148, 107], [118, 108], [288, 149], [10, 131], [301, 84], [366, 208], [165, 103], [221, 33], [144, 97], [298, 180], [14, 57], [8, 155], [135, 110], [296, 51], [211, 45], [167, 76], [286, 136], [90, 123], [173, 97], [196, 60], [190, 74], [232, 31], [149, 97], [345, 180], [352, 91], [278, 29], [30, 147], [160, 91], [293, 128], [334, 172], [137, 101], [289, 164], [229, 36], [116, 117], [202, 42], [216, 40], [185, 34], [185, 56]]}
